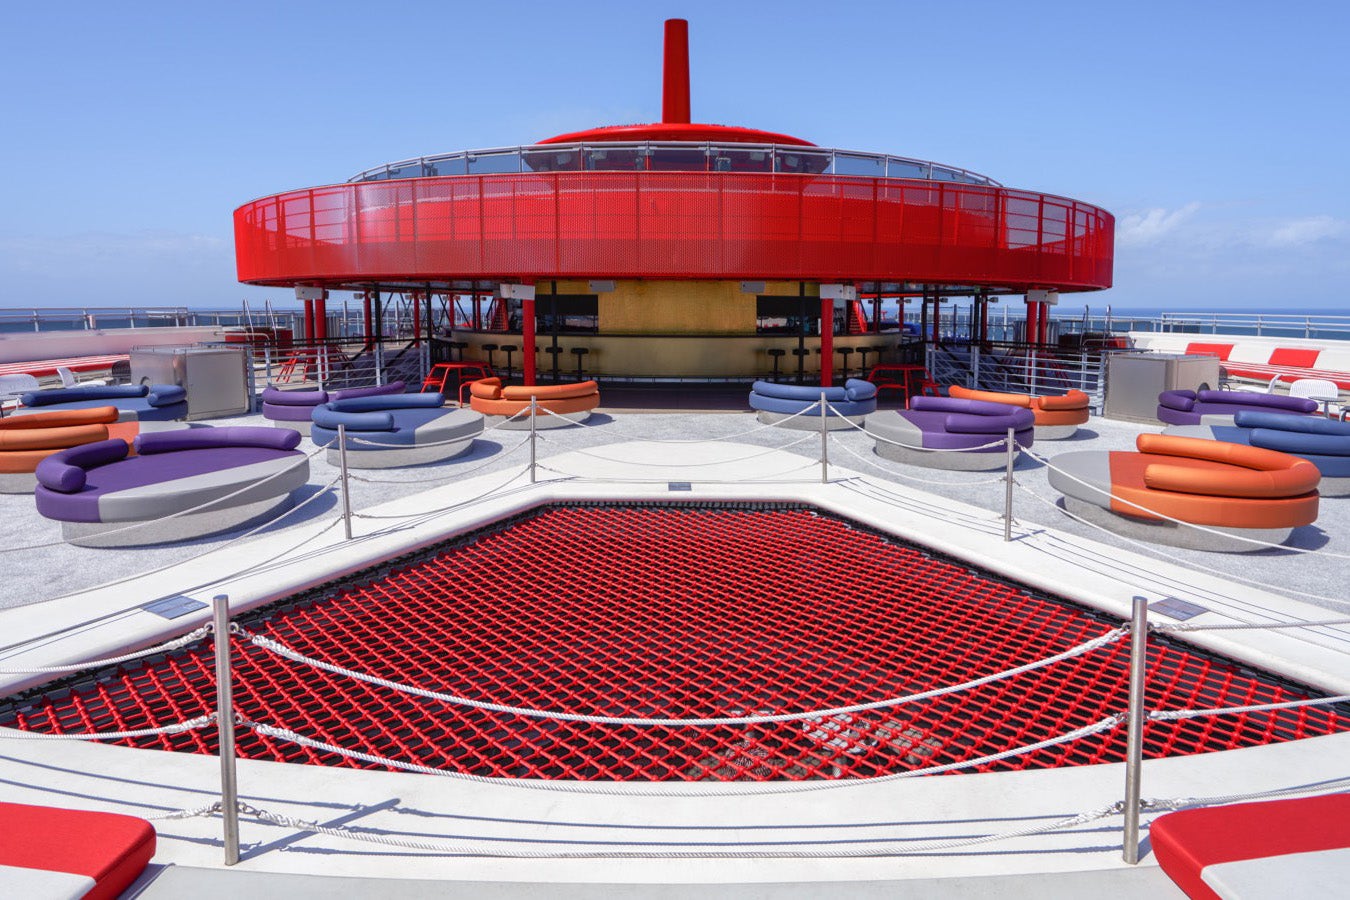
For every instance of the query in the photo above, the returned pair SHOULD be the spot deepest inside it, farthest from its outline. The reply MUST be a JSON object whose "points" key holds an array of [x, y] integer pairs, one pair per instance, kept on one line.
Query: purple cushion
{"points": [[64, 470], [1248, 398], [1182, 400], [155, 442], [1016, 418], [278, 397], [958, 405], [379, 403], [379, 390], [277, 413]]}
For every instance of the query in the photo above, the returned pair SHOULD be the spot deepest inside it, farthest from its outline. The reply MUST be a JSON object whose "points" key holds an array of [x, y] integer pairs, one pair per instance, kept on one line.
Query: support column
{"points": [[309, 321], [320, 310], [1033, 325], [368, 331], [826, 337], [525, 294]]}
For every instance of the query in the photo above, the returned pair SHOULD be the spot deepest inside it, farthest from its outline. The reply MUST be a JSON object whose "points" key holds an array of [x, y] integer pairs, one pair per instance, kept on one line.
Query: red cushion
{"points": [[109, 848], [1202, 349], [1188, 841], [1302, 357]]}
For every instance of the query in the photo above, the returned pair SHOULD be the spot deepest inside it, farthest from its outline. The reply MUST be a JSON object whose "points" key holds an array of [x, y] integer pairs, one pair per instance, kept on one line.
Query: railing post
{"points": [[346, 483], [267, 364], [229, 785], [1008, 491], [824, 441], [534, 408], [975, 366], [1134, 739]]}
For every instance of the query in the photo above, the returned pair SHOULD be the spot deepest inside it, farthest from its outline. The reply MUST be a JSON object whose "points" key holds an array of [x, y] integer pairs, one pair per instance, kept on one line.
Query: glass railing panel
{"points": [[741, 159], [677, 159], [618, 158], [858, 164], [803, 162], [499, 163], [565, 160]]}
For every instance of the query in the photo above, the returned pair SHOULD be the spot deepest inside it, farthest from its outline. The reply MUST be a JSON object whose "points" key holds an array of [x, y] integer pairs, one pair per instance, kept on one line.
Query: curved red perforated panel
{"points": [[683, 612], [718, 225]]}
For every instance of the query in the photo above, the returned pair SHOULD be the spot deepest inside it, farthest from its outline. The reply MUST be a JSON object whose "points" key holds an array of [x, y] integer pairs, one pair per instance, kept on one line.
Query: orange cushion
{"points": [[486, 388], [550, 391], [1061, 416], [51, 438], [562, 405], [1072, 400], [989, 396], [58, 418]]}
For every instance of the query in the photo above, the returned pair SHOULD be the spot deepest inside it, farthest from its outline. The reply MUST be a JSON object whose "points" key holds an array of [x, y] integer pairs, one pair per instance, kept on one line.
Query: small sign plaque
{"points": [[173, 607], [680, 486], [1176, 608]]}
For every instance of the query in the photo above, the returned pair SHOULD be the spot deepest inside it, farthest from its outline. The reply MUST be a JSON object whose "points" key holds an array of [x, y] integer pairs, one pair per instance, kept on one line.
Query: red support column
{"points": [[675, 80], [826, 341], [366, 317], [1033, 327], [309, 321], [321, 319], [527, 365], [417, 318], [1043, 324]]}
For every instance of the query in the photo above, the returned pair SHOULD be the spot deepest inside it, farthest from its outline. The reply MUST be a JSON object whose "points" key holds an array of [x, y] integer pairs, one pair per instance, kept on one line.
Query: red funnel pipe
{"points": [[675, 84]]}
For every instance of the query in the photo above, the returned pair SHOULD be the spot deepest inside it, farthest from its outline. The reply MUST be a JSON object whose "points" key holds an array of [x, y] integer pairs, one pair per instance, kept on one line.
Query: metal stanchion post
{"points": [[534, 408], [267, 363], [346, 484], [229, 785], [824, 441], [1008, 491], [1134, 739]]}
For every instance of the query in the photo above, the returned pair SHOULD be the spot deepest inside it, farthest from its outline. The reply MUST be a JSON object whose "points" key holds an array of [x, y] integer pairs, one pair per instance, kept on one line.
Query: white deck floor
{"points": [[619, 457]]}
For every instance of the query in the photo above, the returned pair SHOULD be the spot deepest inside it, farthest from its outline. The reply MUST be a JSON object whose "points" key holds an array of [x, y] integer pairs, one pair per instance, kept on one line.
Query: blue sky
{"points": [[1215, 132]]}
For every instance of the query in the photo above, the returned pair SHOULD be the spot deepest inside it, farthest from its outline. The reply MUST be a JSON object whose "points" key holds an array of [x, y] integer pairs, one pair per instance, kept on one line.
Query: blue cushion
{"points": [[1253, 418], [327, 418], [94, 392], [803, 393], [166, 394]]}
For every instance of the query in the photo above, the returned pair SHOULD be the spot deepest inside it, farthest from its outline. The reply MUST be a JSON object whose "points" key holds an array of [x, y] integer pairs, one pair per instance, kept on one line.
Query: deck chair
{"points": [[1319, 389], [14, 386]]}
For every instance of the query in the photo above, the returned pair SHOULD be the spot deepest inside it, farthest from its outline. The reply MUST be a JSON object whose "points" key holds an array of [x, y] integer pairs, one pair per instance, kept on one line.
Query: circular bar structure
{"points": [[641, 237]]}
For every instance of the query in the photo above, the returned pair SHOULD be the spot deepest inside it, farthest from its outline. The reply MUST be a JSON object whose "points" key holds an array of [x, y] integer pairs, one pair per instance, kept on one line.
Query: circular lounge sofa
{"points": [[388, 431], [1056, 416], [1219, 407], [1323, 442], [1231, 488], [179, 485], [798, 405], [146, 403], [27, 440], [951, 433], [571, 404], [292, 409]]}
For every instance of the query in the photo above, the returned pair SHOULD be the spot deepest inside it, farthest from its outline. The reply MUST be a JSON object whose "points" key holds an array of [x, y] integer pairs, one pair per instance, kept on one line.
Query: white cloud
{"points": [[1151, 226], [1298, 232]]}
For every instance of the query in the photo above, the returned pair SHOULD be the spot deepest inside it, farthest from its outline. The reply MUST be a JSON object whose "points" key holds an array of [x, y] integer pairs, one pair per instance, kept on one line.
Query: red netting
{"points": [[682, 611]]}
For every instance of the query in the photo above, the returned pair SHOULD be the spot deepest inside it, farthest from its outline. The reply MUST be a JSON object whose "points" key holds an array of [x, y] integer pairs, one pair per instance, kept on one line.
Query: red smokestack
{"points": [[675, 88]]}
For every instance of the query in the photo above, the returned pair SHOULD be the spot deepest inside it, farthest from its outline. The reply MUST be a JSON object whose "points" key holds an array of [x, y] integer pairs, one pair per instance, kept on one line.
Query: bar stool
{"points": [[777, 353], [580, 353], [553, 352], [862, 352], [801, 353], [845, 352], [508, 349], [491, 349], [461, 346]]}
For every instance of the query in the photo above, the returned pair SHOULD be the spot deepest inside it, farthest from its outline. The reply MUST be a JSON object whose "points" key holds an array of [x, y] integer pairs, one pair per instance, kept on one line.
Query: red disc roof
{"points": [[676, 131]]}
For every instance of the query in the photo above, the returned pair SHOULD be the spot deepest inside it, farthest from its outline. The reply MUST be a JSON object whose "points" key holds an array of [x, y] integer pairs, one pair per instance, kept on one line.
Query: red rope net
{"points": [[681, 611]]}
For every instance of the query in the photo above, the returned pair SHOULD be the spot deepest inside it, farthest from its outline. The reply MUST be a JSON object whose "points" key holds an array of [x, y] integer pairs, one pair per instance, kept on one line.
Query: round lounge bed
{"points": [[1056, 417], [394, 430], [292, 409], [146, 403], [1323, 442], [945, 432], [97, 490], [571, 404], [27, 440], [798, 406], [1219, 407], [1232, 488]]}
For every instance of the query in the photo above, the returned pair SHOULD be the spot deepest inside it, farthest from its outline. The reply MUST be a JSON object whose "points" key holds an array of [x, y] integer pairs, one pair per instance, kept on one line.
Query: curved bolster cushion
{"points": [[486, 388], [1256, 418], [64, 470], [166, 394], [381, 402], [277, 397], [1248, 398], [1301, 443], [1182, 400], [154, 442], [327, 417], [804, 393], [377, 390], [1017, 418], [1074, 399], [73, 395], [968, 407], [859, 390]]}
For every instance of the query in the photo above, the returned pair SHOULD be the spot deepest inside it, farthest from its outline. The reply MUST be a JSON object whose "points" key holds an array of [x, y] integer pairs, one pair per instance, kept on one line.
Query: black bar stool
{"points": [[845, 352], [801, 353], [862, 352], [553, 352], [580, 353], [491, 349], [777, 353], [461, 346], [508, 349]]}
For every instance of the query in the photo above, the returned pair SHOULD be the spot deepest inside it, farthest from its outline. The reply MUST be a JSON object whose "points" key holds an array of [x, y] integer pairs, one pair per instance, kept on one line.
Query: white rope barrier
{"points": [[174, 644], [1333, 786], [176, 728], [908, 477], [1173, 715], [757, 788], [280, 649], [518, 414], [439, 511], [1152, 512], [1247, 626], [1162, 554], [694, 465], [1001, 442], [735, 850]]}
